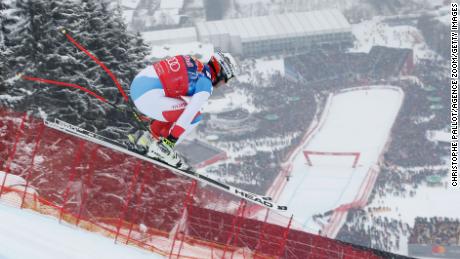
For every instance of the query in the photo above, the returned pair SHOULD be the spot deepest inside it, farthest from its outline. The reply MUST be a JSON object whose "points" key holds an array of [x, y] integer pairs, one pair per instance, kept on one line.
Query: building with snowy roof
{"points": [[278, 34], [289, 33]]}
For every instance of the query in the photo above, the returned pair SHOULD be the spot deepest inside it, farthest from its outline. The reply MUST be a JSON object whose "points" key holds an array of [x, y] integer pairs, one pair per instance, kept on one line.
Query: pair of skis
{"points": [[113, 144], [120, 147]]}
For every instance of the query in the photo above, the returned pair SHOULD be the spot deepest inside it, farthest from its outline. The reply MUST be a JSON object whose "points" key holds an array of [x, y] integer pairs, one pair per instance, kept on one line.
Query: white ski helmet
{"points": [[223, 65]]}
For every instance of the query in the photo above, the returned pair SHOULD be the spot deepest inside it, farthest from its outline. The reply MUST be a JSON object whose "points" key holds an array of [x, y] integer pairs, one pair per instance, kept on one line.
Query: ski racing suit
{"points": [[157, 92]]}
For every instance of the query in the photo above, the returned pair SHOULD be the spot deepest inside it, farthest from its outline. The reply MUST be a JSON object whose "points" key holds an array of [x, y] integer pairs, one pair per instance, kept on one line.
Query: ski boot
{"points": [[140, 141], [164, 151]]}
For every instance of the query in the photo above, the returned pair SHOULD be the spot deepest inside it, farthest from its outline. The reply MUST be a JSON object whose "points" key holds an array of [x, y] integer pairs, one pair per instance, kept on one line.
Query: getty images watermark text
{"points": [[454, 95]]}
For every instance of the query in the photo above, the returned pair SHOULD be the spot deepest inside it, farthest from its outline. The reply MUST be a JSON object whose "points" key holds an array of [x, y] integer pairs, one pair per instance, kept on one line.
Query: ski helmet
{"points": [[223, 65]]}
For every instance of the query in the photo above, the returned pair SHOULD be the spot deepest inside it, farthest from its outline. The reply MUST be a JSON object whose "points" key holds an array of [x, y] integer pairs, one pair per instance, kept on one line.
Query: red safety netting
{"points": [[141, 204]]}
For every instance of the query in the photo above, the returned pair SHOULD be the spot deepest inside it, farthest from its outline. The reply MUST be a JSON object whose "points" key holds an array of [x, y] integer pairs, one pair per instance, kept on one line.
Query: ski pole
{"points": [[130, 110], [95, 59], [136, 116], [59, 83]]}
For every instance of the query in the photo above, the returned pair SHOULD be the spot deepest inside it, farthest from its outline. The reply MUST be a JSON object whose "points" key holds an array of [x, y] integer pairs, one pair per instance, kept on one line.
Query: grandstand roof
{"points": [[199, 153], [274, 26], [387, 61]]}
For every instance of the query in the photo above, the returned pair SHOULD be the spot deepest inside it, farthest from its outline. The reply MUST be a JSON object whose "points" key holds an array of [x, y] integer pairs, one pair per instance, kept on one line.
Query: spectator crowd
{"points": [[286, 109], [410, 158], [436, 231], [368, 228]]}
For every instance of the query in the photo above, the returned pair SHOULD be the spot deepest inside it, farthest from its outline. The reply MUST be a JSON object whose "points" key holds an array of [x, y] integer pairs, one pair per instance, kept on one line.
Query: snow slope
{"points": [[376, 32], [428, 201], [362, 127], [25, 234]]}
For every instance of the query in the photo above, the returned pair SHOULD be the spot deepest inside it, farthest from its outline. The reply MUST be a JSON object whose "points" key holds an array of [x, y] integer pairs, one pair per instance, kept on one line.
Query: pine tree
{"points": [[39, 49], [19, 44], [105, 34], [5, 53], [138, 52], [2, 15], [26, 37], [60, 60], [2, 49], [107, 37], [132, 50]]}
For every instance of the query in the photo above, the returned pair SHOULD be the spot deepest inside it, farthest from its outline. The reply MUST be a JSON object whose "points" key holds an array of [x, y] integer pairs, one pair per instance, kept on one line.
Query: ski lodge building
{"points": [[289, 33]]}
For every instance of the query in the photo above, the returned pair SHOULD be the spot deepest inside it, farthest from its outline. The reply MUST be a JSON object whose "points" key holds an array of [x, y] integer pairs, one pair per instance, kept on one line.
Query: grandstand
{"points": [[320, 65], [435, 236], [200, 154], [288, 33], [386, 62], [238, 121]]}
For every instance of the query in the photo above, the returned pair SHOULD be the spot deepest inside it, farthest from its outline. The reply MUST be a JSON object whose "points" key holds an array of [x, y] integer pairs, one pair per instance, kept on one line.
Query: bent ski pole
{"points": [[131, 110]]}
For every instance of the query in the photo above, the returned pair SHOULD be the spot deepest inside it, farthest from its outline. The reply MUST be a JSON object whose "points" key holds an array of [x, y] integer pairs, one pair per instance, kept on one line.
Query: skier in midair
{"points": [[157, 92]]}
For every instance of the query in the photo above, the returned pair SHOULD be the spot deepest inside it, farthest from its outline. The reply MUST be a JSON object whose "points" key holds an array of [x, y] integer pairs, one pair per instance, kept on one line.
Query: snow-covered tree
{"points": [[2, 44], [2, 15], [106, 35], [5, 20], [134, 49], [40, 49], [138, 51], [37, 50], [26, 37]]}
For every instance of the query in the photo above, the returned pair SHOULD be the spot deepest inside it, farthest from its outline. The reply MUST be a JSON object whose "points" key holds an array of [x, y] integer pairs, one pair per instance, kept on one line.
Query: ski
{"points": [[120, 147]]}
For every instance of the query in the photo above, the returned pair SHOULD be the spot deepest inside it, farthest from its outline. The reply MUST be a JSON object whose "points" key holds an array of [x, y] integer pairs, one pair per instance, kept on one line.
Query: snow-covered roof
{"points": [[170, 36], [171, 4], [274, 26]]}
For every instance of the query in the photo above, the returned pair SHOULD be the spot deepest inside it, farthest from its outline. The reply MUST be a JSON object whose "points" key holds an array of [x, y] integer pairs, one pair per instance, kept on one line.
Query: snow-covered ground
{"points": [[47, 239], [428, 201], [362, 127], [234, 100], [256, 70], [25, 234], [375, 32]]}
